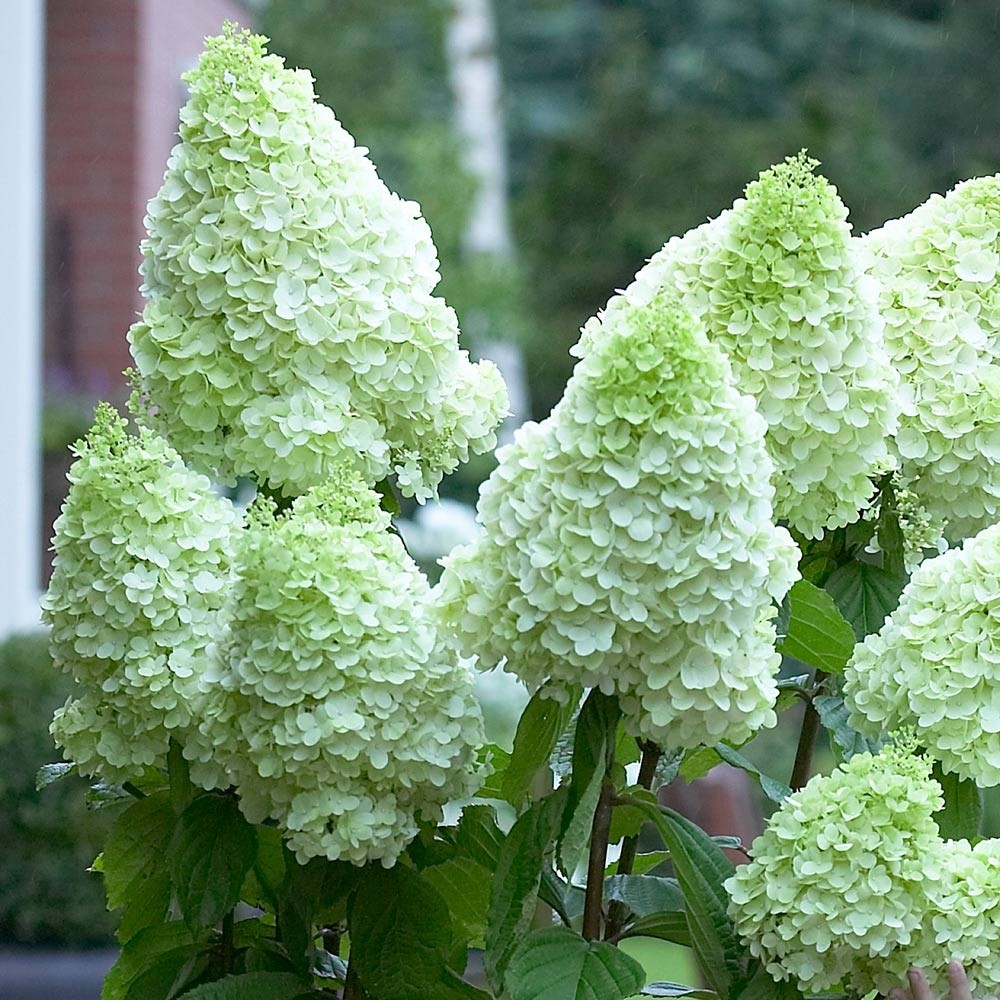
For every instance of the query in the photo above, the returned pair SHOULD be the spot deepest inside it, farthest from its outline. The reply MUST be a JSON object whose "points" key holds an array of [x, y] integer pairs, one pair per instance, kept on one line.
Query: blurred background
{"points": [[554, 146]]}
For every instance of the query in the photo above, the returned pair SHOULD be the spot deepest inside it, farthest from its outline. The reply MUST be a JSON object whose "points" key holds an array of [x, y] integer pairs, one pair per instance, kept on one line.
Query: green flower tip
{"points": [[108, 435], [344, 498], [790, 194], [235, 51]]}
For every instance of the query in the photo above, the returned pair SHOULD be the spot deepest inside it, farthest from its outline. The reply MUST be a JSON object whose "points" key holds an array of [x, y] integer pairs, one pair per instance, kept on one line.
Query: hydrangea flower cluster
{"points": [[842, 874], [141, 570], [339, 709], [781, 287], [938, 268], [629, 539], [852, 882], [935, 664], [290, 325]]}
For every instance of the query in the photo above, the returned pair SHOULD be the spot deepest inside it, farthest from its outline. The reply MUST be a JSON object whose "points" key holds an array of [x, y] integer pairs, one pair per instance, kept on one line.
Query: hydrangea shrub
{"points": [[290, 705]]}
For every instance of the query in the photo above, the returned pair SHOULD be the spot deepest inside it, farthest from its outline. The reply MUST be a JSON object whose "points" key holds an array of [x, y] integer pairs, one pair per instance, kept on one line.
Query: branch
{"points": [[594, 898], [807, 739]]}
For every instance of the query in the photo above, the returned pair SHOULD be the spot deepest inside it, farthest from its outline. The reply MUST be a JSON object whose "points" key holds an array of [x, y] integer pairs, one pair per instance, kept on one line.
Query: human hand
{"points": [[920, 990]]}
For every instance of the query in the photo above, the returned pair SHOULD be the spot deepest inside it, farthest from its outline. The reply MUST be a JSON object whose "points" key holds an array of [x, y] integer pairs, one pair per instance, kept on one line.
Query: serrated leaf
{"points": [[465, 886], [557, 964], [47, 774], [538, 729], [776, 791], [644, 894], [150, 964], [210, 853], [478, 836], [252, 986], [678, 990], [135, 850], [401, 934], [817, 632], [516, 881], [865, 595], [701, 869], [667, 926], [669, 766], [962, 815], [846, 741], [697, 763], [575, 840]]}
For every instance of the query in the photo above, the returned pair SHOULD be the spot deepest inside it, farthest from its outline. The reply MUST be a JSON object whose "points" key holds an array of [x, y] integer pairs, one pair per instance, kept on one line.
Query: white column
{"points": [[21, 179]]}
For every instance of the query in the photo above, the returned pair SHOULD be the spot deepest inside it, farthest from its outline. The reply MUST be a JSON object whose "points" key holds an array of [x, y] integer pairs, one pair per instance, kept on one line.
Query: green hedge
{"points": [[48, 838]]}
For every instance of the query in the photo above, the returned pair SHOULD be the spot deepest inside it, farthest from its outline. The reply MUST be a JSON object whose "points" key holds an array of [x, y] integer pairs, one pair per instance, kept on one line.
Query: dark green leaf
{"points": [[539, 727], [401, 934], [817, 632], [667, 926], [151, 963], [557, 964], [465, 887], [252, 986], [515, 884], [845, 740], [147, 906], [962, 815], [776, 791], [701, 870], [762, 986], [865, 595], [890, 534], [135, 851], [644, 894], [182, 791], [210, 853], [554, 892], [478, 836], [49, 773]]}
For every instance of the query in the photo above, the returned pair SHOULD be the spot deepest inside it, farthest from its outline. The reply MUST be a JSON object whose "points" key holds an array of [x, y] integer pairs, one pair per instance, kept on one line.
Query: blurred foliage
{"points": [[50, 838], [633, 120]]}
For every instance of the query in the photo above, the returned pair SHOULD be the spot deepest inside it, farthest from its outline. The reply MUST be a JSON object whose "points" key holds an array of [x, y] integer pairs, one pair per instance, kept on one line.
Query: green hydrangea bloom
{"points": [[938, 268], [841, 877], [290, 325], [781, 287], [935, 663], [338, 710], [142, 558], [629, 539]]}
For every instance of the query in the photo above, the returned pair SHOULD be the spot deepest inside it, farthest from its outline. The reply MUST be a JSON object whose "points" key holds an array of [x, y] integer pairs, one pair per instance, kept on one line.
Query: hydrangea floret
{"points": [[142, 561], [935, 663], [290, 323], [840, 879], [938, 270], [339, 710], [629, 539], [782, 288]]}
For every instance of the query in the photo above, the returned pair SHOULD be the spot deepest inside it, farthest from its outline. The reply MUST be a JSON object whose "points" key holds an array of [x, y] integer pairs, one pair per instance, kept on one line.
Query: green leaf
{"points": [[210, 853], [790, 691], [135, 850], [890, 533], [761, 986], [865, 595], [401, 934], [817, 632], [151, 963], [643, 863], [146, 907], [776, 791], [538, 729], [701, 870], [678, 990], [667, 926], [478, 837], [697, 763], [465, 886], [515, 884], [845, 740], [47, 774], [497, 760], [962, 815], [557, 964], [644, 894], [252, 986], [182, 791], [628, 820]]}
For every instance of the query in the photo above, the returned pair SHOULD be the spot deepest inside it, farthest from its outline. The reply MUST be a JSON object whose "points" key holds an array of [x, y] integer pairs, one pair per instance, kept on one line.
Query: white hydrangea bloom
{"points": [[841, 877], [938, 268], [338, 710], [935, 663], [290, 325], [142, 559], [781, 287], [629, 540]]}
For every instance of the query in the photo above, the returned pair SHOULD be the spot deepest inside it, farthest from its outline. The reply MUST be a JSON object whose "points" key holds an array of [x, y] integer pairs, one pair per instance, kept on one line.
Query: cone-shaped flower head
{"points": [[340, 711], [781, 287], [629, 539], [290, 324], [842, 874], [142, 557], [939, 270], [935, 664]]}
